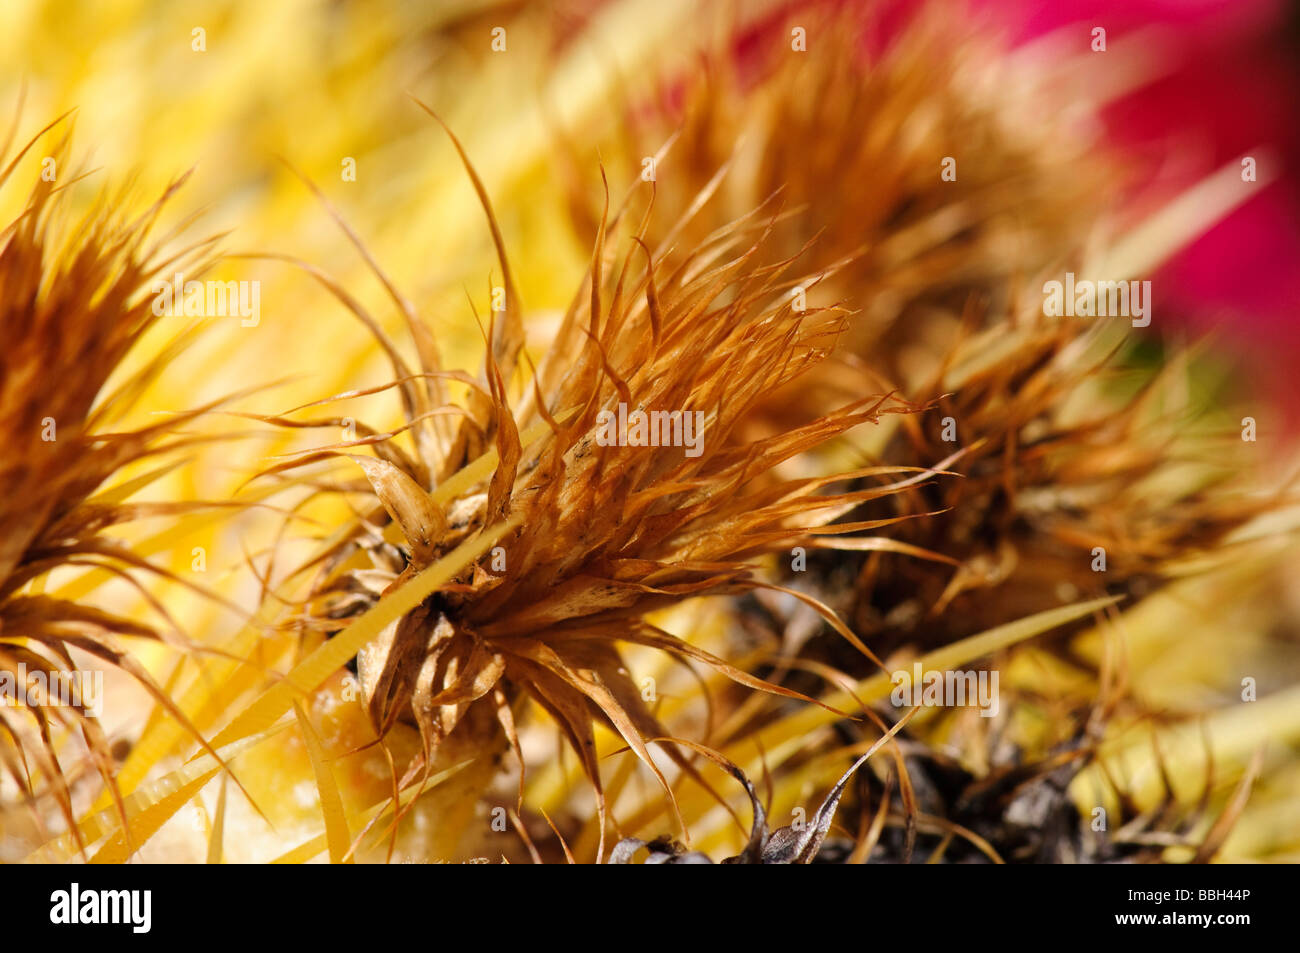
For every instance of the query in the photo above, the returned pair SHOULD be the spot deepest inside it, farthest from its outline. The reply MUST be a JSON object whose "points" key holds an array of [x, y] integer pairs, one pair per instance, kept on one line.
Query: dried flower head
{"points": [[622, 484], [74, 300]]}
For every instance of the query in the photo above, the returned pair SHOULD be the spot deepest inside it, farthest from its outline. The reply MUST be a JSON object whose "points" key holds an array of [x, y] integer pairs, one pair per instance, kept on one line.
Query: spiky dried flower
{"points": [[1081, 476], [74, 300], [606, 523]]}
